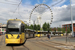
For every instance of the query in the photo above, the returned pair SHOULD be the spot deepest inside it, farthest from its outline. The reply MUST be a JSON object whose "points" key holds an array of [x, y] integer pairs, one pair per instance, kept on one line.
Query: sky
{"points": [[9, 9]]}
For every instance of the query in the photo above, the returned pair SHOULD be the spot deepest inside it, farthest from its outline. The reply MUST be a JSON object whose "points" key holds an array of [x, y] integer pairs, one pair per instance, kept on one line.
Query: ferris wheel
{"points": [[51, 16]]}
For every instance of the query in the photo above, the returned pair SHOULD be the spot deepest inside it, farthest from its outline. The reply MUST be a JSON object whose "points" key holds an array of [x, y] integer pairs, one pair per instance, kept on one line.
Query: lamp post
{"points": [[71, 18]]}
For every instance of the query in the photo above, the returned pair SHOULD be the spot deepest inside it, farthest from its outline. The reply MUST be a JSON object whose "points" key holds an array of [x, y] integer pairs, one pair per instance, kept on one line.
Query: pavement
{"points": [[42, 43], [64, 40]]}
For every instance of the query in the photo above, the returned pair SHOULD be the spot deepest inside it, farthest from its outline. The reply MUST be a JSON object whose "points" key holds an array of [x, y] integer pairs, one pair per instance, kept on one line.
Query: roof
{"points": [[67, 24], [16, 20]]}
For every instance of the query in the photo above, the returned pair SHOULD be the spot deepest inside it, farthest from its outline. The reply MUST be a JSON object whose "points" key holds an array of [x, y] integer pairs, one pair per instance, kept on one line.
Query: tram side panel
{"points": [[30, 34]]}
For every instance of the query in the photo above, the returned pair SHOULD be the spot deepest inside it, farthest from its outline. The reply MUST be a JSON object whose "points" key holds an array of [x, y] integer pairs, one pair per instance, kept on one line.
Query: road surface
{"points": [[42, 43]]}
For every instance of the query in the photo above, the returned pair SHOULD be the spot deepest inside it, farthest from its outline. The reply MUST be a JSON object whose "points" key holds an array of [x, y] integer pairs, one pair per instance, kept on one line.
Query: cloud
{"points": [[61, 15], [73, 1], [64, 13]]}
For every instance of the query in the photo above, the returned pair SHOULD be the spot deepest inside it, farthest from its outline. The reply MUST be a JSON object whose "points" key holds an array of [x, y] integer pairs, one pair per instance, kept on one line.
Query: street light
{"points": [[71, 18]]}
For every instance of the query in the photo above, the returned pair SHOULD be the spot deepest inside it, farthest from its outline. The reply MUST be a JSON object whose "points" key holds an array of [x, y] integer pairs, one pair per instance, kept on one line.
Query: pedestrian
{"points": [[49, 36]]}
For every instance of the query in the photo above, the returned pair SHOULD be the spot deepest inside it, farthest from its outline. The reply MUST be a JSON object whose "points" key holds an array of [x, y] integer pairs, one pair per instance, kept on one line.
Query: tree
{"points": [[26, 26], [54, 31], [38, 27], [68, 30], [46, 26], [41, 29], [35, 27], [59, 29], [50, 29], [63, 30], [31, 26]]}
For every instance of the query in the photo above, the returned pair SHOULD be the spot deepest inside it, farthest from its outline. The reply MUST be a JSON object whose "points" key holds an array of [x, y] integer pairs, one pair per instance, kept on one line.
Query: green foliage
{"points": [[31, 27], [68, 30], [38, 27], [63, 30], [35, 27], [46, 26], [59, 29], [26, 26], [55, 29], [41, 29], [50, 29]]}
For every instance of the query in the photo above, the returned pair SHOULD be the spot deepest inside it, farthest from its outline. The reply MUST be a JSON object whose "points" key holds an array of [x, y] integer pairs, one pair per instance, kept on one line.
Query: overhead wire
{"points": [[11, 4], [19, 13], [8, 3], [56, 3], [17, 8], [38, 1]]}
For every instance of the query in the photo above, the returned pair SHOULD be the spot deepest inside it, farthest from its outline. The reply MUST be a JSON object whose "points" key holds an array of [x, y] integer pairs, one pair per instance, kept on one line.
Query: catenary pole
{"points": [[71, 18]]}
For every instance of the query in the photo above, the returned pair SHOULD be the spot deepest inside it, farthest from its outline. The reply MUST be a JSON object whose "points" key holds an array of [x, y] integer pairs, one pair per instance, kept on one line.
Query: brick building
{"points": [[69, 26], [55, 28]]}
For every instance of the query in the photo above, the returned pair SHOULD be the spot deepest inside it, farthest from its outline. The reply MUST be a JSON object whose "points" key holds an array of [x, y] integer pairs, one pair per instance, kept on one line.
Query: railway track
{"points": [[58, 46], [23, 47], [55, 42], [44, 45], [12, 47], [40, 43]]}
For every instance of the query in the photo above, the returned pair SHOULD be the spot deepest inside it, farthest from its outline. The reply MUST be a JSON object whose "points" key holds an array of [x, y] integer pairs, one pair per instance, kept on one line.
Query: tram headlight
{"points": [[18, 36], [7, 36]]}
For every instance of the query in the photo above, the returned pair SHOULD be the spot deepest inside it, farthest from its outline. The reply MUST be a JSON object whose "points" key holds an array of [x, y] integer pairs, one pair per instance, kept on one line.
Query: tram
{"points": [[38, 34], [29, 33], [15, 32]]}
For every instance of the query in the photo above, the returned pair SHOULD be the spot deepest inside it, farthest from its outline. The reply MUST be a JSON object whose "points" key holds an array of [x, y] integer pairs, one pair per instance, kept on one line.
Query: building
{"points": [[39, 20], [69, 26], [2, 28], [55, 28]]}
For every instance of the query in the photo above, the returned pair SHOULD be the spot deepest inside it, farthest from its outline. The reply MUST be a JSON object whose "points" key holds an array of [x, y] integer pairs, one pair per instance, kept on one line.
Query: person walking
{"points": [[49, 36]]}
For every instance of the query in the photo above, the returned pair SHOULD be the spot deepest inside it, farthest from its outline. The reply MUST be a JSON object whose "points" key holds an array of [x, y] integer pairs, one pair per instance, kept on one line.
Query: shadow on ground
{"points": [[14, 44]]}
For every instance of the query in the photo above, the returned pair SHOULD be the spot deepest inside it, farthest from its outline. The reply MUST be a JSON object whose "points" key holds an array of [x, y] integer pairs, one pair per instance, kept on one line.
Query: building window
{"points": [[70, 25], [67, 25], [63, 26], [74, 25]]}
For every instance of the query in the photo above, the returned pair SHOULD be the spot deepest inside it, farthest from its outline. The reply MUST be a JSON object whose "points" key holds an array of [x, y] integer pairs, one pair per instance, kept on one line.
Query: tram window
{"points": [[14, 31], [22, 29], [38, 33]]}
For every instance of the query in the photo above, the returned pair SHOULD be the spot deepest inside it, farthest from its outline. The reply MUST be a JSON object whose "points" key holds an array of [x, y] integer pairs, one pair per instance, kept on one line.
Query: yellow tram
{"points": [[15, 32], [38, 34]]}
